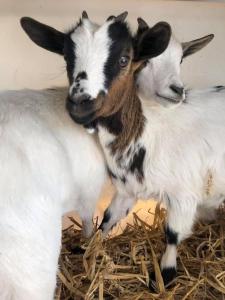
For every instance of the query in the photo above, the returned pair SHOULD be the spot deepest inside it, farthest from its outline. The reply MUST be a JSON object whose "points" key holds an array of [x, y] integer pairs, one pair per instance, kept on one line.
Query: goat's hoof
{"points": [[168, 274], [77, 250], [152, 282]]}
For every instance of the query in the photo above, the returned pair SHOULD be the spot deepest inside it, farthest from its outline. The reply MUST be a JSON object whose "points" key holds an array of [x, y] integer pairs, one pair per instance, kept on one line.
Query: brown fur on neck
{"points": [[123, 101]]}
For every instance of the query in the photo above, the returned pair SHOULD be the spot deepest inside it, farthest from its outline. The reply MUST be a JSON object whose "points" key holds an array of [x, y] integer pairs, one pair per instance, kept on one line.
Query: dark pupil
{"points": [[123, 61]]}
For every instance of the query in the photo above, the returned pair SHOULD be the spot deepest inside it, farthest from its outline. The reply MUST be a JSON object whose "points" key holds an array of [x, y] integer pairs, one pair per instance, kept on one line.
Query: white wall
{"points": [[23, 64]]}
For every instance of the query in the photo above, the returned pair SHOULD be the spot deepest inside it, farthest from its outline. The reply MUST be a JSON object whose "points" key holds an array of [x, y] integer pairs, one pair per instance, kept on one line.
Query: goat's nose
{"points": [[177, 89], [80, 100]]}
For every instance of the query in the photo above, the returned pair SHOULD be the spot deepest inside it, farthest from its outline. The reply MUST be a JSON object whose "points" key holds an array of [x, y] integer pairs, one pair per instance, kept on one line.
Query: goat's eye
{"points": [[123, 61], [181, 60]]}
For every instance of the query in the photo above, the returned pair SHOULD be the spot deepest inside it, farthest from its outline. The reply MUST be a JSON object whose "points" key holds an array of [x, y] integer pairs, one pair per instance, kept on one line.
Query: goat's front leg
{"points": [[118, 209], [181, 216]]}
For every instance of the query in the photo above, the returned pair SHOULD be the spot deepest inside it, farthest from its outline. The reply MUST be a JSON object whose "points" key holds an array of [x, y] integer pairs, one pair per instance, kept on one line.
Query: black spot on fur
{"points": [[136, 165], [81, 90], [171, 236], [106, 218], [121, 38], [74, 90], [111, 174], [219, 88], [112, 123], [81, 75]]}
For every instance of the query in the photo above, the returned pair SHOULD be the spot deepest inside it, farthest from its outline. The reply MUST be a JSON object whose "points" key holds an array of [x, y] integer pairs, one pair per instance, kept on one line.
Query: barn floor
{"points": [[118, 267]]}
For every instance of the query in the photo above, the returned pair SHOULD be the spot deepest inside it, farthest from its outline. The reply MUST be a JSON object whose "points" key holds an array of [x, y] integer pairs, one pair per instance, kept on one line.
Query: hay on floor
{"points": [[118, 268]]}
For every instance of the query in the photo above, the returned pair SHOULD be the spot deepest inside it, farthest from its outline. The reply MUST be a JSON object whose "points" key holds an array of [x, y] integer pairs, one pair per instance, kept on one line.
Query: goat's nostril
{"points": [[80, 100], [177, 89], [84, 99]]}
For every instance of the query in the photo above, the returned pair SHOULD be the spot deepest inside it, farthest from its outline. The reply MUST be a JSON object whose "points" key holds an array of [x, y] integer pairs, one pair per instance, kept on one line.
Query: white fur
{"points": [[92, 49], [182, 145], [49, 166], [160, 73]]}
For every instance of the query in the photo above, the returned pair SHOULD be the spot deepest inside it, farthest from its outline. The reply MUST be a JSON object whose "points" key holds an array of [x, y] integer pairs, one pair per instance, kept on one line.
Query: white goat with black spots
{"points": [[151, 151]]}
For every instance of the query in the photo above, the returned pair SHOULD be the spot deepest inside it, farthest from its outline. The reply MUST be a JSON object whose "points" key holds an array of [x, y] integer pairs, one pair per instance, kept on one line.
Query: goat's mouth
{"points": [[171, 99], [79, 114]]}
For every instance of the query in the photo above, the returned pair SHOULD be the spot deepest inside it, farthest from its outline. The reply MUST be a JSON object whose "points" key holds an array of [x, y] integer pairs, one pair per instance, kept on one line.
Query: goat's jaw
{"points": [[80, 116], [172, 100]]}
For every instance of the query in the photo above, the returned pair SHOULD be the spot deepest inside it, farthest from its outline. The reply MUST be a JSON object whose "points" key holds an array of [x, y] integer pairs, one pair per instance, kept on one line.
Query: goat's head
{"points": [[101, 60], [161, 76]]}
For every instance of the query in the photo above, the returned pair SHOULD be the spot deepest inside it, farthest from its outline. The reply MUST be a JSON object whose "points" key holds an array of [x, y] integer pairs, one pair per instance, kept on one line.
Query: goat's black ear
{"points": [[196, 45], [152, 42], [43, 35], [142, 27]]}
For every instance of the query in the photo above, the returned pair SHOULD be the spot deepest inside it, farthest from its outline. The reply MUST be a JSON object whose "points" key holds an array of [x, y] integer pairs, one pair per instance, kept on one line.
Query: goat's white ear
{"points": [[196, 45], [152, 42], [43, 35]]}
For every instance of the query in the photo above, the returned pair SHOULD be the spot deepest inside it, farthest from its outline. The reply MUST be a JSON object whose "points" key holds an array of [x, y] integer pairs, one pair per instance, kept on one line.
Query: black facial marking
{"points": [[112, 123], [171, 236], [136, 165], [168, 274], [74, 90], [81, 75], [106, 218], [121, 38], [111, 174], [219, 88], [70, 58]]}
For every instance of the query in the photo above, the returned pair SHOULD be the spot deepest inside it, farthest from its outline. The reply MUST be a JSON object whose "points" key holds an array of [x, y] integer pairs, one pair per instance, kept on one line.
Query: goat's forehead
{"points": [[96, 53], [175, 48], [88, 34], [172, 55]]}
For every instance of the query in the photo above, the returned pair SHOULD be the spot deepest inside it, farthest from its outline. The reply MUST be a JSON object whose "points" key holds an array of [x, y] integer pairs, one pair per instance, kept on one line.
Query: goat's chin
{"points": [[82, 120], [171, 99]]}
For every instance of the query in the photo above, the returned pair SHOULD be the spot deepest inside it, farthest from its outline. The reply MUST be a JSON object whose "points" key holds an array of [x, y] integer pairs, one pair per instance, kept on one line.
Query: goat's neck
{"points": [[127, 120]]}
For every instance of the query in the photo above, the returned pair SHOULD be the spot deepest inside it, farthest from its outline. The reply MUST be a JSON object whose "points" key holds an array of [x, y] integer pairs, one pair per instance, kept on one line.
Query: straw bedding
{"points": [[118, 267]]}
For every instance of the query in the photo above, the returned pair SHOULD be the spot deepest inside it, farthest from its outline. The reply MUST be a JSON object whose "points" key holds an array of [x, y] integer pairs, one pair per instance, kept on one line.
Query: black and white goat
{"points": [[173, 155], [49, 166]]}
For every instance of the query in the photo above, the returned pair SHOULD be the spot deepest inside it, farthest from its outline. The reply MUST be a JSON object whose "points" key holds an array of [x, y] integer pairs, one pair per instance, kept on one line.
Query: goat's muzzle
{"points": [[81, 109]]}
